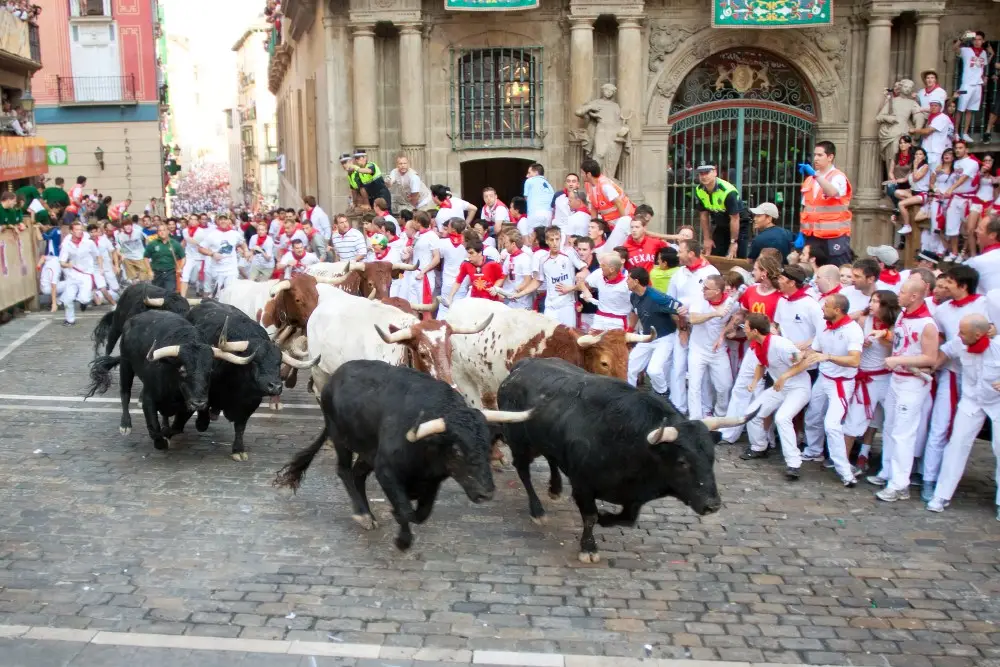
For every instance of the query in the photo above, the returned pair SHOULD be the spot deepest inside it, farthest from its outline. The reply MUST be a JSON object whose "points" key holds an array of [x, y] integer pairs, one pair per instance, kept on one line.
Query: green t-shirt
{"points": [[43, 217], [159, 255], [28, 193], [10, 216], [54, 196], [660, 278]]}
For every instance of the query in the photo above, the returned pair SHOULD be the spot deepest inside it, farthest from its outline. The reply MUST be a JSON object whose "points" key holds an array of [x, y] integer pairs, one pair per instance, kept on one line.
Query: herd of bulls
{"points": [[412, 399]]}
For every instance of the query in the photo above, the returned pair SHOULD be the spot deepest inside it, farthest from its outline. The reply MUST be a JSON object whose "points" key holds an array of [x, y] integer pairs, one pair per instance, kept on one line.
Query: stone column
{"points": [[876, 80], [581, 50], [365, 97], [412, 135], [630, 82], [927, 45]]}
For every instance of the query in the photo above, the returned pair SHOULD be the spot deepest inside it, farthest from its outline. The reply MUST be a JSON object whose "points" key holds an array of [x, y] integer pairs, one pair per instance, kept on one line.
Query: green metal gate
{"points": [[752, 116]]}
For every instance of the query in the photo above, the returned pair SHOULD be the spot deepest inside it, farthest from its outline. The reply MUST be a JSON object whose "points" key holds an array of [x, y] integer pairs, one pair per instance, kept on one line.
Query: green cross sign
{"points": [[58, 156]]}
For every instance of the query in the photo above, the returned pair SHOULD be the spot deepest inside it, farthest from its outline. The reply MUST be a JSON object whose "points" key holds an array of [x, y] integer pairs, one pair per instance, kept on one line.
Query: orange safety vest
{"points": [[606, 209], [825, 217]]}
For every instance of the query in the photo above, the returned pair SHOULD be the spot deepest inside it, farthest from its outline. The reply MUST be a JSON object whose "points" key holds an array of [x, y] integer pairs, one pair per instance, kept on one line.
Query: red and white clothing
{"points": [[453, 253], [224, 270], [553, 270], [962, 195], [578, 223], [643, 253], [496, 215], [614, 301], [561, 211], [106, 278], [480, 278], [974, 63], [284, 242], [936, 94], [858, 300], [889, 279], [453, 207], [987, 263], [517, 267], [82, 256], [424, 244], [872, 381], [262, 259], [939, 140], [706, 361], [777, 355], [293, 265], [984, 195], [904, 400], [194, 261], [685, 286], [799, 316]]}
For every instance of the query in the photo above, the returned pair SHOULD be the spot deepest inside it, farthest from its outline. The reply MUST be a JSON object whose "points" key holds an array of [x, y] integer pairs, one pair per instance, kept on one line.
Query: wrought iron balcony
{"points": [[96, 90]]}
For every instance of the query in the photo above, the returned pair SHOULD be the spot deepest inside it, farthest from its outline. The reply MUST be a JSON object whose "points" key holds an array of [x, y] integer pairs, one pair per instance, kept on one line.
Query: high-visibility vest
{"points": [[606, 209], [825, 217], [715, 201], [368, 178]]}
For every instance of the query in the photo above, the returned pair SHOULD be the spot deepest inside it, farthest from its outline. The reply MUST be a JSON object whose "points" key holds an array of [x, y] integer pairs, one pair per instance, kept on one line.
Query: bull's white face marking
{"points": [[435, 336]]}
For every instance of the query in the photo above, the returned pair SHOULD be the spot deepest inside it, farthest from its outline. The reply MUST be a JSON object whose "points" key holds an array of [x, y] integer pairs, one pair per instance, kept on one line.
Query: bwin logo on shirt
{"points": [[560, 279]]}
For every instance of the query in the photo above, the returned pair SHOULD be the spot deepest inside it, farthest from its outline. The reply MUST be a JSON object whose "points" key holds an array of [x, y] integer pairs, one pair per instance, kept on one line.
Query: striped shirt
{"points": [[350, 245]]}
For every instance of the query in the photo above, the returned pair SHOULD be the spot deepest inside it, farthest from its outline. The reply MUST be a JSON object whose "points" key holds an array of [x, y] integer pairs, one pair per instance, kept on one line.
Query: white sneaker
{"points": [[937, 504], [875, 480], [892, 495], [966, 137], [904, 230]]}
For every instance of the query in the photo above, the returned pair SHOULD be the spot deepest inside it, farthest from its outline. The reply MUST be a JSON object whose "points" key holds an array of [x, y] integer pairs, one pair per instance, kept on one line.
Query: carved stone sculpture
{"points": [[607, 130], [898, 116]]}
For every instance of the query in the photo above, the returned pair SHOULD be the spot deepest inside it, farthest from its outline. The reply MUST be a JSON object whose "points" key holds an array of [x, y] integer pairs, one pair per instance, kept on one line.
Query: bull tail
{"points": [[291, 474], [100, 374], [102, 330]]}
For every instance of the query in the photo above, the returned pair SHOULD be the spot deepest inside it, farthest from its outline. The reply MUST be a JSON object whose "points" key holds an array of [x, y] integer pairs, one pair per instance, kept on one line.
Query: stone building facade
{"points": [[473, 97]]}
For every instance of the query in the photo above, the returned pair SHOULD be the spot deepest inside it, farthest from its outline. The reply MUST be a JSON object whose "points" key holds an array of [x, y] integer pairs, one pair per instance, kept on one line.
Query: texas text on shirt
{"points": [[987, 263]]}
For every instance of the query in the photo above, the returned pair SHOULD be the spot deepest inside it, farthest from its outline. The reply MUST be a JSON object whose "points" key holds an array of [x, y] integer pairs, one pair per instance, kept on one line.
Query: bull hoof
{"points": [[589, 557], [161, 443], [540, 520], [124, 430], [555, 495], [366, 521], [239, 456], [404, 542]]}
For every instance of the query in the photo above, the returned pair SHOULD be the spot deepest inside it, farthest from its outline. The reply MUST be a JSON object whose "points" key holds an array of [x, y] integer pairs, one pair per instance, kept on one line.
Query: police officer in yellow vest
{"points": [[358, 200], [719, 206], [369, 177]]}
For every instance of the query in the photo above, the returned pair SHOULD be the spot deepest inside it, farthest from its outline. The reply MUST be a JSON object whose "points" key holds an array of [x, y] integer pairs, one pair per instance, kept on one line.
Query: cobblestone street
{"points": [[100, 532]]}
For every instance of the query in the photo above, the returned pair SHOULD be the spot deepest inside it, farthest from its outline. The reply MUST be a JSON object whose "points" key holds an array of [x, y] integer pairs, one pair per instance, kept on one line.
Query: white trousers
{"points": [[857, 420], [954, 215], [79, 287], [565, 315], [586, 321], [942, 416], [741, 398], [678, 375], [703, 364], [903, 404], [968, 421], [825, 417], [652, 357], [784, 405], [191, 273]]}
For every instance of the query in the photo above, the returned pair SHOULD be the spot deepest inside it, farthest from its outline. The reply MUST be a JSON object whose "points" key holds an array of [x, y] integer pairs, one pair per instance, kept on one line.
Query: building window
{"points": [[497, 98], [90, 8]]}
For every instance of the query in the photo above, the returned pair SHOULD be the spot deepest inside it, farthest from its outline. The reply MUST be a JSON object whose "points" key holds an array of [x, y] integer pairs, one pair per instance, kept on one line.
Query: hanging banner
{"points": [[771, 13], [490, 5], [21, 157]]}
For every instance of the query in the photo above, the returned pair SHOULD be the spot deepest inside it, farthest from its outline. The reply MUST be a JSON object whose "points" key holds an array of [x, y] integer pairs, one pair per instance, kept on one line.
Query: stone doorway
{"points": [[505, 175]]}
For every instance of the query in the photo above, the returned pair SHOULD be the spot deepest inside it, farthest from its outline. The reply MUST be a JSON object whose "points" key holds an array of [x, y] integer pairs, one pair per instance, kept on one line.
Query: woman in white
{"points": [[982, 200], [261, 252], [942, 178], [918, 182]]}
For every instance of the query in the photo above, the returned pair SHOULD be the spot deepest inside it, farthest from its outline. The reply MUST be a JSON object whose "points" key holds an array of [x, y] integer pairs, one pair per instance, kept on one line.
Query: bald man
{"points": [[614, 299], [828, 283], [979, 354]]}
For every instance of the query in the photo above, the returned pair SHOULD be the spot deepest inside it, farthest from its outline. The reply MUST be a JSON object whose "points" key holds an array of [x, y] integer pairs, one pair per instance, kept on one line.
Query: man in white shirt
{"points": [[261, 250], [987, 262], [979, 354], [381, 209], [407, 190], [777, 357], [614, 298], [80, 260], [837, 349], [193, 271], [495, 212], [930, 91], [427, 257], [937, 133], [557, 272], [347, 241], [221, 246], [452, 249], [132, 246], [708, 358], [317, 216], [961, 192], [297, 260], [518, 267], [104, 279], [974, 60], [561, 207], [450, 206], [578, 220], [798, 315], [292, 230]]}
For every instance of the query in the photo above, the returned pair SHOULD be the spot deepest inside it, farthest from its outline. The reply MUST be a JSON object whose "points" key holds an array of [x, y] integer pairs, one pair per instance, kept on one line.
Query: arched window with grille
{"points": [[497, 98]]}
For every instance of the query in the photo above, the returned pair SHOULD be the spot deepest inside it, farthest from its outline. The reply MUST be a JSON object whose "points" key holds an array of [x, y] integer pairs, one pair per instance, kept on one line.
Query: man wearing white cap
{"points": [[887, 258], [768, 234]]}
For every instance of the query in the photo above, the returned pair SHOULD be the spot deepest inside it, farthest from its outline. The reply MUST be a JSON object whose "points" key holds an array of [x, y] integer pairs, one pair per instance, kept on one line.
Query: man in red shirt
{"points": [[481, 273], [641, 247]]}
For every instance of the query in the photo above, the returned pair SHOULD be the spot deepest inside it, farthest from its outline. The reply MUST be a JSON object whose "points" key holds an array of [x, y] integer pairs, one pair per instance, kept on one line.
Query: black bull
{"points": [[615, 443], [137, 299]]}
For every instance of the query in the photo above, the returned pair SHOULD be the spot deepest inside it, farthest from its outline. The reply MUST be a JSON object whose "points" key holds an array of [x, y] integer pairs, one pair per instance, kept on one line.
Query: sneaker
{"points": [[829, 464], [850, 482], [875, 480], [905, 229], [937, 504], [856, 472], [927, 491], [791, 474], [891, 495], [967, 137], [749, 454], [986, 137], [83, 307], [69, 324], [815, 458]]}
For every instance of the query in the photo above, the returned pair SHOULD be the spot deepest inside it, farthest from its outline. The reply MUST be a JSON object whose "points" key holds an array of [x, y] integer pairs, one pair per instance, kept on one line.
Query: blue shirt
{"points": [[654, 309], [539, 194], [53, 240], [772, 237]]}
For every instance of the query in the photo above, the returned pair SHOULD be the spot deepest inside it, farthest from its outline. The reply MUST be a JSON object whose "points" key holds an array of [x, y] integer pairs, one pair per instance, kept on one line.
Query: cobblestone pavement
{"points": [[102, 532]]}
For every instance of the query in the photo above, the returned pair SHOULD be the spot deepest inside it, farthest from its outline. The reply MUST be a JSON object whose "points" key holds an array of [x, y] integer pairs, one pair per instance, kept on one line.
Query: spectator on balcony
{"points": [[56, 195]]}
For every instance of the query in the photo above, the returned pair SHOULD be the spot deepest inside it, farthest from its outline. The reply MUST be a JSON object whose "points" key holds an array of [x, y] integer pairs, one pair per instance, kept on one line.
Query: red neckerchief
{"points": [[393, 238], [889, 276], [514, 254], [904, 159], [598, 245], [114, 243], [370, 234], [958, 303], [977, 51], [992, 246], [445, 203], [936, 302], [928, 91], [409, 241], [931, 117], [456, 239], [846, 319], [700, 263], [878, 325], [800, 293], [191, 233], [380, 254], [979, 346], [311, 234], [298, 258], [718, 302], [835, 290], [76, 241], [760, 349], [309, 213], [514, 217], [424, 231], [614, 281], [261, 240], [922, 311], [566, 192]]}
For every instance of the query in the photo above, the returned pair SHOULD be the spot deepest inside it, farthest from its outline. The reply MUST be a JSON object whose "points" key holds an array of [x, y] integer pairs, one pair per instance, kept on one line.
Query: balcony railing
{"points": [[34, 43], [92, 90]]}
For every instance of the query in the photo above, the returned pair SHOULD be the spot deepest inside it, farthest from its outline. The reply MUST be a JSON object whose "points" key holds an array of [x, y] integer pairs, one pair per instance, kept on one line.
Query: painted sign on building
{"points": [[490, 5], [21, 157], [771, 13]]}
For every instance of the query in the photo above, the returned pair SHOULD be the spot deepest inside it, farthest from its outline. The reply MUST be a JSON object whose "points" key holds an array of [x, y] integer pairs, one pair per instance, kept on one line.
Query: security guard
{"points": [[370, 178], [358, 200], [719, 207]]}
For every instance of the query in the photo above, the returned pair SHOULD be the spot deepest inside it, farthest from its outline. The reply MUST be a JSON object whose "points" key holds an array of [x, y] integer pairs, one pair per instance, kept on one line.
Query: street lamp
{"points": [[27, 101], [99, 155]]}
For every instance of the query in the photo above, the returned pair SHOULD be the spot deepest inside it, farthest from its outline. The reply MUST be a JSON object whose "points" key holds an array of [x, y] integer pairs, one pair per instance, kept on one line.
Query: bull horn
{"points": [[331, 280], [194, 302], [280, 287], [371, 297], [395, 337], [153, 301], [399, 266], [155, 354], [715, 423], [432, 427], [426, 307], [235, 346], [355, 266], [300, 346], [506, 416], [473, 330], [301, 364], [663, 434], [640, 338], [283, 334], [589, 340], [223, 338], [230, 357]]}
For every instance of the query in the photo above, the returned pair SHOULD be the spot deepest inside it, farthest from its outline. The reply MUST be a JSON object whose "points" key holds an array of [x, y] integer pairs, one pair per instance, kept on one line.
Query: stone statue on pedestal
{"points": [[607, 134], [898, 116]]}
